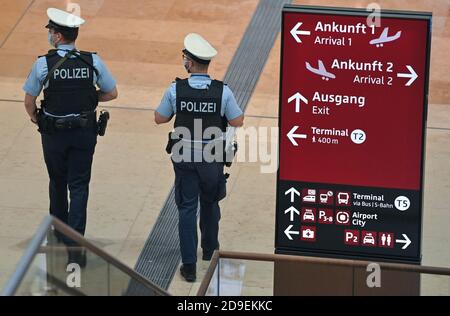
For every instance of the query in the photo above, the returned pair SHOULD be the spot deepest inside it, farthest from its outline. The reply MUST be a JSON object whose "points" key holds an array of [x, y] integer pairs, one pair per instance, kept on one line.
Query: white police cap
{"points": [[62, 19], [198, 48]]}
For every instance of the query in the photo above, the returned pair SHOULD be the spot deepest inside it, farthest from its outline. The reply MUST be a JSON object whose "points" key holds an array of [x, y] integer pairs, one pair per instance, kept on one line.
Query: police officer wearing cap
{"points": [[198, 103], [67, 118]]}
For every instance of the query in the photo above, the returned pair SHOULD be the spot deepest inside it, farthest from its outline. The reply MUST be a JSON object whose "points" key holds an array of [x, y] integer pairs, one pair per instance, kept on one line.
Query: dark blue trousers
{"points": [[68, 156], [196, 181]]}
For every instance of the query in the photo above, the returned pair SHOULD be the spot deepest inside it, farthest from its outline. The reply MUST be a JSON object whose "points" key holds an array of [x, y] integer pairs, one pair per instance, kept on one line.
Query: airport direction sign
{"points": [[353, 110]]}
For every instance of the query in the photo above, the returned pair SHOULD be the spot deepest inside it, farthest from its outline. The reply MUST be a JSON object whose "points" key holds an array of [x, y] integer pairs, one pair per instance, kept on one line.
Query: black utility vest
{"points": [[71, 88], [199, 104]]}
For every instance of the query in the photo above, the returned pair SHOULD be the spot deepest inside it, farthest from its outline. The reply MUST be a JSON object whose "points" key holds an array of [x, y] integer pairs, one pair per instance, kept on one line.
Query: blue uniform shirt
{"points": [[168, 105], [33, 85]]}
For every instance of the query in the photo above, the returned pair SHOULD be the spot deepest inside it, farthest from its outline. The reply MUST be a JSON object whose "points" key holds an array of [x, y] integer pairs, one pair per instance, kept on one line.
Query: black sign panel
{"points": [[346, 220]]}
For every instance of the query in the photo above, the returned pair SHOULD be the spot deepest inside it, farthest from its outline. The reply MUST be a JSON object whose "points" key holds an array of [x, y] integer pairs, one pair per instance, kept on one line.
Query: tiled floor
{"points": [[141, 42]]}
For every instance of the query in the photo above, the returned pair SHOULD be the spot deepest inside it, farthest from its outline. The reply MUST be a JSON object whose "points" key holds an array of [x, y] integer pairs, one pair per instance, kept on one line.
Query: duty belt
{"points": [[49, 124], [74, 122], [228, 152]]}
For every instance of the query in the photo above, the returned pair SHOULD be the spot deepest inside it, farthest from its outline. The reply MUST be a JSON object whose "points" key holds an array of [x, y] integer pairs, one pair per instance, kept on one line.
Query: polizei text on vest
{"points": [[200, 107], [75, 73]]}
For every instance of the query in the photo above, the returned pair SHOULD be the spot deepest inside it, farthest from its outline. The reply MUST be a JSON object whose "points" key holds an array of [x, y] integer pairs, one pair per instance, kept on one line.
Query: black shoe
{"points": [[77, 257], [188, 272]]}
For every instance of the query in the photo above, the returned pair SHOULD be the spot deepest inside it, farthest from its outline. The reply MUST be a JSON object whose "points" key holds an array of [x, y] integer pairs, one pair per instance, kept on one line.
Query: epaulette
{"points": [[51, 52], [178, 79], [218, 81], [82, 52]]}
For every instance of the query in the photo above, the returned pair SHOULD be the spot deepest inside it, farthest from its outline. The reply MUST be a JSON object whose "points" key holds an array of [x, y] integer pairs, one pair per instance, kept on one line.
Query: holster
{"points": [[102, 122], [230, 153], [46, 124], [170, 143]]}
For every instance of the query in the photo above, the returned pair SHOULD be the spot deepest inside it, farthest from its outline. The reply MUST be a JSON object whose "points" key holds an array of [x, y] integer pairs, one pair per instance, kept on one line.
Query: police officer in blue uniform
{"points": [[67, 119], [199, 104]]}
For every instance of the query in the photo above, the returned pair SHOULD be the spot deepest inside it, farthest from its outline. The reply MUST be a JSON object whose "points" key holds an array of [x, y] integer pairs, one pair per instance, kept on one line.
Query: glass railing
{"points": [[245, 274], [51, 268], [234, 277]]}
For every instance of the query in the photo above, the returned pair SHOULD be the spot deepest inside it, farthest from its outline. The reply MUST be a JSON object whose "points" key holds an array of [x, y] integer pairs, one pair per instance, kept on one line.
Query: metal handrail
{"points": [[209, 274], [338, 262], [61, 227], [36, 247], [27, 258], [301, 259]]}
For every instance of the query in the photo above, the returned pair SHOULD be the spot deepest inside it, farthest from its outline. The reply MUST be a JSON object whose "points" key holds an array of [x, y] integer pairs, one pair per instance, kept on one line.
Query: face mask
{"points": [[50, 40], [186, 65]]}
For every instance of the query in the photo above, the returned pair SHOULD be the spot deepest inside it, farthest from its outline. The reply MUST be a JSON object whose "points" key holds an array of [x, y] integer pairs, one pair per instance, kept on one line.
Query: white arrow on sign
{"points": [[292, 192], [295, 32], [288, 232], [293, 211], [297, 97], [293, 136], [412, 75], [405, 241]]}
